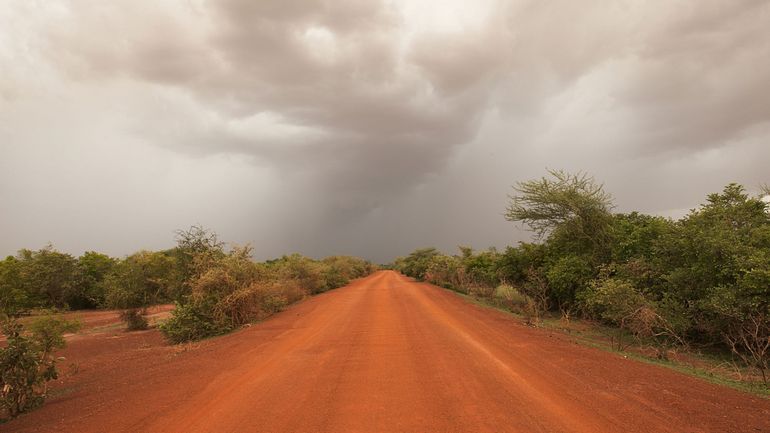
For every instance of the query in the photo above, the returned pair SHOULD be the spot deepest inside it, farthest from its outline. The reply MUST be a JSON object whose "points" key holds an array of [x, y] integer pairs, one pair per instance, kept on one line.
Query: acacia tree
{"points": [[572, 212], [571, 207]]}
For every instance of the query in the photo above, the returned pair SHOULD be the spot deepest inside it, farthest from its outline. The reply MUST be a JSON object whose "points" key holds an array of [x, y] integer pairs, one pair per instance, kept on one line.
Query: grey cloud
{"points": [[698, 81], [257, 58], [353, 114]]}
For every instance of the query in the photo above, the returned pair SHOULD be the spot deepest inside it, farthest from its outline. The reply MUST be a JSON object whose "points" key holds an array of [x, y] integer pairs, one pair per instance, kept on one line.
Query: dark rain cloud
{"points": [[380, 126]]}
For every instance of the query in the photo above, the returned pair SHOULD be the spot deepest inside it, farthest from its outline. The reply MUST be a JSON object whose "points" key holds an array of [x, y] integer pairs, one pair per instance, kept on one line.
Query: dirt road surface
{"points": [[384, 354]]}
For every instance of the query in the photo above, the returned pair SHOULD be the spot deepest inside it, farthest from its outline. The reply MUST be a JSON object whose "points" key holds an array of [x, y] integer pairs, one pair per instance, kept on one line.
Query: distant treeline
{"points": [[701, 280], [215, 289]]}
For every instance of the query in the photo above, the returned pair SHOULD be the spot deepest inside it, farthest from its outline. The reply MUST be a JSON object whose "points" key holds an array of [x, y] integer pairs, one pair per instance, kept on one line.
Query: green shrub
{"points": [[519, 303], [348, 267], [416, 264], [480, 268], [256, 302], [334, 277], [209, 314], [618, 303], [306, 272], [510, 294], [742, 315], [139, 281], [567, 277], [481, 291], [612, 300], [447, 271], [27, 362], [134, 319], [274, 302], [233, 290], [191, 322], [48, 331]]}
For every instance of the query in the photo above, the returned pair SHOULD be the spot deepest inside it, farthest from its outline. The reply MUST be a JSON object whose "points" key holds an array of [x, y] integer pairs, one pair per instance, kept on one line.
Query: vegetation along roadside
{"points": [[215, 289], [695, 289]]}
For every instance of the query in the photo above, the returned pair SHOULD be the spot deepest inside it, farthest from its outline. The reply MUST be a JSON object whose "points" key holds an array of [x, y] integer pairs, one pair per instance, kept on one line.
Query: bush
{"points": [[232, 290], [481, 268], [134, 319], [481, 291], [273, 303], [567, 277], [447, 271], [515, 263], [139, 281], [235, 291], [416, 264], [618, 303], [22, 373], [334, 277], [306, 272], [519, 303], [750, 340], [27, 362], [190, 322], [510, 295], [255, 302], [216, 282], [348, 267], [198, 249], [612, 300], [742, 314], [209, 316]]}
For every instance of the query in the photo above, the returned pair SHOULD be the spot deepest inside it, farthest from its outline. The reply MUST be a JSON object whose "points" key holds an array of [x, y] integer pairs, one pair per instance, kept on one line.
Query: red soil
{"points": [[382, 355]]}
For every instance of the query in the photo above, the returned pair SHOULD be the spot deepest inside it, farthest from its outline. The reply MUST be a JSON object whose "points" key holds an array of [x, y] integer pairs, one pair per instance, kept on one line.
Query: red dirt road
{"points": [[386, 355]]}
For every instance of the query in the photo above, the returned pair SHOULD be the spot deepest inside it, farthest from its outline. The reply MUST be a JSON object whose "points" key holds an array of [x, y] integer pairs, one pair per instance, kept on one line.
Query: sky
{"points": [[368, 128]]}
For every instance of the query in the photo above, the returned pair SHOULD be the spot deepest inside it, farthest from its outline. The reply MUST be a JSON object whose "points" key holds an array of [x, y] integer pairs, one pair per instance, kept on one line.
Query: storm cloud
{"points": [[366, 128]]}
